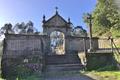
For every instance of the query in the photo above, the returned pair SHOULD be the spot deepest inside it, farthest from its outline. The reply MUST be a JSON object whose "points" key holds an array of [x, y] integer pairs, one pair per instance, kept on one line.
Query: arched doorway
{"points": [[57, 43]]}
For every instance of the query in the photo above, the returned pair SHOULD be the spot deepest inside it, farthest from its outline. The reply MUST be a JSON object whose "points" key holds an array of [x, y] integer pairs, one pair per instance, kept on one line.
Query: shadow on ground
{"points": [[74, 75]]}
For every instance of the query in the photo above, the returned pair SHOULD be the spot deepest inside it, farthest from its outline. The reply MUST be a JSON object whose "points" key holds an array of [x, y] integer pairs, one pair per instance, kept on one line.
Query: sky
{"points": [[17, 11], [118, 3]]}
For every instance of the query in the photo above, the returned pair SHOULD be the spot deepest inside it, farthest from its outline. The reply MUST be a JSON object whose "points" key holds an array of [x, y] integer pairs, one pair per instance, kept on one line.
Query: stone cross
{"points": [[90, 30], [56, 9], [90, 24]]}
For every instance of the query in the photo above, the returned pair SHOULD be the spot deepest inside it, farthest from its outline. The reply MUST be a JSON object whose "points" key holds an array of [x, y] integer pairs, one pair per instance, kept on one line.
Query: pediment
{"points": [[56, 21]]}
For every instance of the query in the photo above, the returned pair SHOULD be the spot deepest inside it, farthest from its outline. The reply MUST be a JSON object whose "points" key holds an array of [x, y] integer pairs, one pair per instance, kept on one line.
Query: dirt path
{"points": [[69, 78]]}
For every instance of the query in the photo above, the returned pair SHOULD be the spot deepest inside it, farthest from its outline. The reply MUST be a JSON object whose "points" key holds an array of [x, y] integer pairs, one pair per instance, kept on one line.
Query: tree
{"points": [[30, 28], [105, 17], [22, 28], [7, 28], [79, 31], [19, 28]]}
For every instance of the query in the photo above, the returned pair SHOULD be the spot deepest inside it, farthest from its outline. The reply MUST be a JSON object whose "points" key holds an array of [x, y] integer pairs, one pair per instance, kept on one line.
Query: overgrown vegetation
{"points": [[106, 19]]}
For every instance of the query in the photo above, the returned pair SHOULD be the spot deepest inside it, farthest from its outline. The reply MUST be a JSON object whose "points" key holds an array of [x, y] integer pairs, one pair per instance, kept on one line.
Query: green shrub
{"points": [[23, 71], [115, 32]]}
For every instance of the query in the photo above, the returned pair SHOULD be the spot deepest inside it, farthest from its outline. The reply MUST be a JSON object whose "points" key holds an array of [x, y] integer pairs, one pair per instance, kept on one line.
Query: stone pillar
{"points": [[90, 30]]}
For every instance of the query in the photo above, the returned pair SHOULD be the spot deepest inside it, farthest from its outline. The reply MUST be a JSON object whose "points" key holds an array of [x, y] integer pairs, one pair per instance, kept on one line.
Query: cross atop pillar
{"points": [[90, 24], [90, 30], [56, 8]]}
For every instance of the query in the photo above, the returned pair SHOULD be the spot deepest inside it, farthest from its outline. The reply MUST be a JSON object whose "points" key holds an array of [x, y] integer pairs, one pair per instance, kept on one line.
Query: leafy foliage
{"points": [[19, 28], [7, 28], [24, 28], [79, 31], [105, 17]]}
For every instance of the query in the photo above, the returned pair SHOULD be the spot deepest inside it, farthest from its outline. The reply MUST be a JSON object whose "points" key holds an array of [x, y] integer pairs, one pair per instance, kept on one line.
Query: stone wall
{"points": [[26, 51], [24, 44], [78, 44], [99, 60]]}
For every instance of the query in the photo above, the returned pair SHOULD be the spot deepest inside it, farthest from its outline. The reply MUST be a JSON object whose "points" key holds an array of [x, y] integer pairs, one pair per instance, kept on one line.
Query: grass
{"points": [[106, 75], [33, 77], [103, 75], [96, 75]]}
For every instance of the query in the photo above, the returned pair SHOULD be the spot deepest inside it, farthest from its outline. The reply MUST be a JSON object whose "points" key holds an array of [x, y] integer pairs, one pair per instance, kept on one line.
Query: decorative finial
{"points": [[56, 8], [69, 20], [44, 18]]}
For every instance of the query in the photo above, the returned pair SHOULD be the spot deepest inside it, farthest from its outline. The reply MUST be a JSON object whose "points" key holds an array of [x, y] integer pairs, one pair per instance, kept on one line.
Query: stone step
{"points": [[64, 67], [62, 59]]}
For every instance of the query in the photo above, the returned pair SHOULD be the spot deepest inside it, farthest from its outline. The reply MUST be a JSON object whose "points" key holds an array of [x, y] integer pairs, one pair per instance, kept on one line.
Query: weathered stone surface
{"points": [[35, 50], [99, 60]]}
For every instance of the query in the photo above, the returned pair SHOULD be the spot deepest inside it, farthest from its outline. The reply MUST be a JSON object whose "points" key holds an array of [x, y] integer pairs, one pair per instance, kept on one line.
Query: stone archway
{"points": [[57, 42]]}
